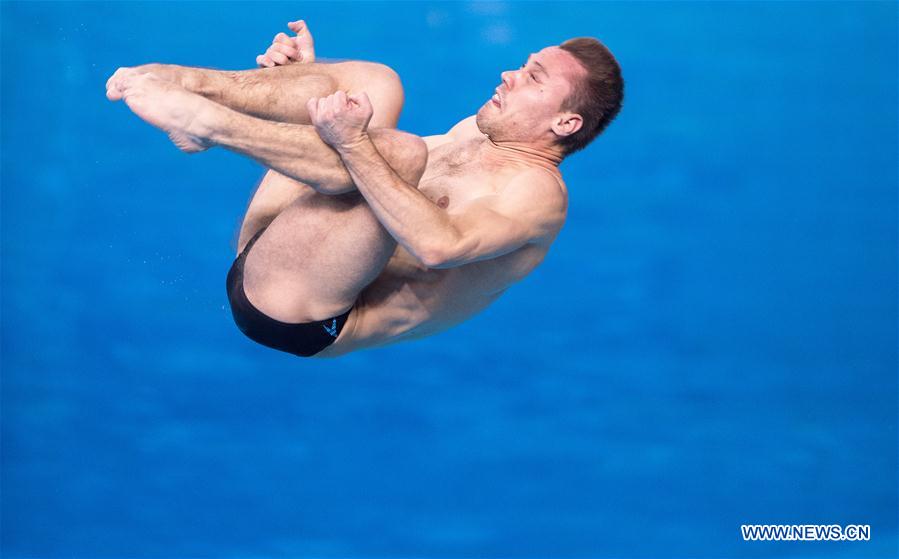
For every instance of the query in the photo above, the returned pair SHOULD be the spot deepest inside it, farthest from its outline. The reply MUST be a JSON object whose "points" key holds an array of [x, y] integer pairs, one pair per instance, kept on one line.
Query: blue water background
{"points": [[712, 341]]}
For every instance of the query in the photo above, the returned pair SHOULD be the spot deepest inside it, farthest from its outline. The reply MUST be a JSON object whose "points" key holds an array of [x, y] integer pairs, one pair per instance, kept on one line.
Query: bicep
{"points": [[499, 224], [485, 233]]}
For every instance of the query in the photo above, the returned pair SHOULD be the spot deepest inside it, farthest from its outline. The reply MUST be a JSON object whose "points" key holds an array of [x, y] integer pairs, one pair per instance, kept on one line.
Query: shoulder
{"points": [[540, 187], [538, 197]]}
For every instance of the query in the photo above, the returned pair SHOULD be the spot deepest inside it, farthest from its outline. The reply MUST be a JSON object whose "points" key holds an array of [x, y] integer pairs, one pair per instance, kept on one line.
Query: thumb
{"points": [[361, 99], [296, 26], [312, 108]]}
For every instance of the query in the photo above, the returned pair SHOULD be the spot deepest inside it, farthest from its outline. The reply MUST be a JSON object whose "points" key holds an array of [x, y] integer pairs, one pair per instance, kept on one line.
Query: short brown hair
{"points": [[597, 96]]}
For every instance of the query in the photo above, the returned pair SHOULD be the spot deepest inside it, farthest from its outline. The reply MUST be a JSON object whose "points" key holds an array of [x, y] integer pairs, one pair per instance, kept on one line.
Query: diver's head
{"points": [[561, 98]]}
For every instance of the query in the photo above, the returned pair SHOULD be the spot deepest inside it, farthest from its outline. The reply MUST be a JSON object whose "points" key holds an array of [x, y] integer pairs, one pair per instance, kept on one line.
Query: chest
{"points": [[455, 175]]}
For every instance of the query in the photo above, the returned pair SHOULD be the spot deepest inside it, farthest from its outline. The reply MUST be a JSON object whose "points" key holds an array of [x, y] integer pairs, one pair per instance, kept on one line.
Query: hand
{"points": [[288, 50], [341, 120]]}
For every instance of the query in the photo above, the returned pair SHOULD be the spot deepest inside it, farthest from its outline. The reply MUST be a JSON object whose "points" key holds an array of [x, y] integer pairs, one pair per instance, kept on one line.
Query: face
{"points": [[527, 105]]}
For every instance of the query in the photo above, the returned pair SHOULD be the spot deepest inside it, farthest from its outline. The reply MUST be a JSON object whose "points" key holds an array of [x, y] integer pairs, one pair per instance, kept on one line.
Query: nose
{"points": [[507, 78]]}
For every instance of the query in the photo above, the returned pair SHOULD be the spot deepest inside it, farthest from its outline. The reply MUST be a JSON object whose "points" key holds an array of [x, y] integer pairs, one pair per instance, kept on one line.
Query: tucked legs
{"points": [[324, 245]]}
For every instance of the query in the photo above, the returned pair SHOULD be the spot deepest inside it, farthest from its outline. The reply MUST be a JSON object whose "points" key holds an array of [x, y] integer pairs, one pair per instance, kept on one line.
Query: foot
{"points": [[179, 75], [165, 105], [113, 91]]}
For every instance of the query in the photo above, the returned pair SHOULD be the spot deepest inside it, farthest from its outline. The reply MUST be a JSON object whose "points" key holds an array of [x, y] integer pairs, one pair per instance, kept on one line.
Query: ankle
{"points": [[191, 79], [211, 123]]}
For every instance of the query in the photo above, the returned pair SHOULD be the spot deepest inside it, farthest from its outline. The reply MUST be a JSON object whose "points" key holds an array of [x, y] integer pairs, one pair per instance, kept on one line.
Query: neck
{"points": [[547, 157]]}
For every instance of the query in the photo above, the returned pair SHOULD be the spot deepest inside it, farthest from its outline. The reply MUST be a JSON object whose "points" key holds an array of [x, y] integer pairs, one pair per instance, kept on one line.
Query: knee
{"points": [[385, 79], [388, 89], [407, 154], [417, 154], [383, 86]]}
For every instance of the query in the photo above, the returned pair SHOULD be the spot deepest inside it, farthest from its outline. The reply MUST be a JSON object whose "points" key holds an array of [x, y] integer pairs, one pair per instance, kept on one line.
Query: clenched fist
{"points": [[341, 120]]}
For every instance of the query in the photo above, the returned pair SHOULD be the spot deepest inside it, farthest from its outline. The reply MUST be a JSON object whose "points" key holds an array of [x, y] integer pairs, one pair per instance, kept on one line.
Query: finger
{"points": [[264, 61], [322, 106], [328, 104], [296, 26], [362, 100], [288, 51], [312, 108], [277, 56], [340, 100], [283, 38]]}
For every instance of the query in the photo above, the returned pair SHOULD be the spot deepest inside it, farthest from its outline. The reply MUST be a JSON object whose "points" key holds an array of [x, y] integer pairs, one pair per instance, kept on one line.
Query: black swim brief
{"points": [[304, 339]]}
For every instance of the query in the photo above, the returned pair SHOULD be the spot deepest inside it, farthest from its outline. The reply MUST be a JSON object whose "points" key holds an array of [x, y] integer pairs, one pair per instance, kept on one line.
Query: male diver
{"points": [[360, 235]]}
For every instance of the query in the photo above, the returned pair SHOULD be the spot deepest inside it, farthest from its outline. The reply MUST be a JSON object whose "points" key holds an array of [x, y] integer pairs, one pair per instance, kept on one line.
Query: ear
{"points": [[567, 124]]}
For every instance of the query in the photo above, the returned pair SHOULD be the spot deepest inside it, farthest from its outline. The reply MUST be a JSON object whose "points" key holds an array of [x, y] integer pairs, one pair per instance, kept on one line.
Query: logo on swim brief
{"points": [[333, 329]]}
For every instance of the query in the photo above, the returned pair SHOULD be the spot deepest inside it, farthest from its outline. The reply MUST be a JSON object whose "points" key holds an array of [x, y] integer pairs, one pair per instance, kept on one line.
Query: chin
{"points": [[482, 119]]}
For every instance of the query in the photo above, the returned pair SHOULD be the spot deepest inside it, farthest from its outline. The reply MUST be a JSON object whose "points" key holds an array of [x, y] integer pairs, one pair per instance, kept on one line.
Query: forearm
{"points": [[277, 93], [423, 228]]}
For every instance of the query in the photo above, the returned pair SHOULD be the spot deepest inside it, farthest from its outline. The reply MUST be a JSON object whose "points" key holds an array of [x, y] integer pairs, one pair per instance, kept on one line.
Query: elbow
{"points": [[332, 184], [333, 188], [449, 252], [436, 258]]}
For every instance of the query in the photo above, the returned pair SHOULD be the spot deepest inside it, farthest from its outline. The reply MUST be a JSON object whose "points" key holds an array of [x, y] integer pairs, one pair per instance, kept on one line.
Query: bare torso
{"points": [[408, 300]]}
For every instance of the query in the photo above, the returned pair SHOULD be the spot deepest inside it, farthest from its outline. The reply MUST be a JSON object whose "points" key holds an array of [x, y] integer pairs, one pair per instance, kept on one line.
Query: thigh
{"points": [[407, 154], [322, 250], [315, 257], [274, 194]]}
